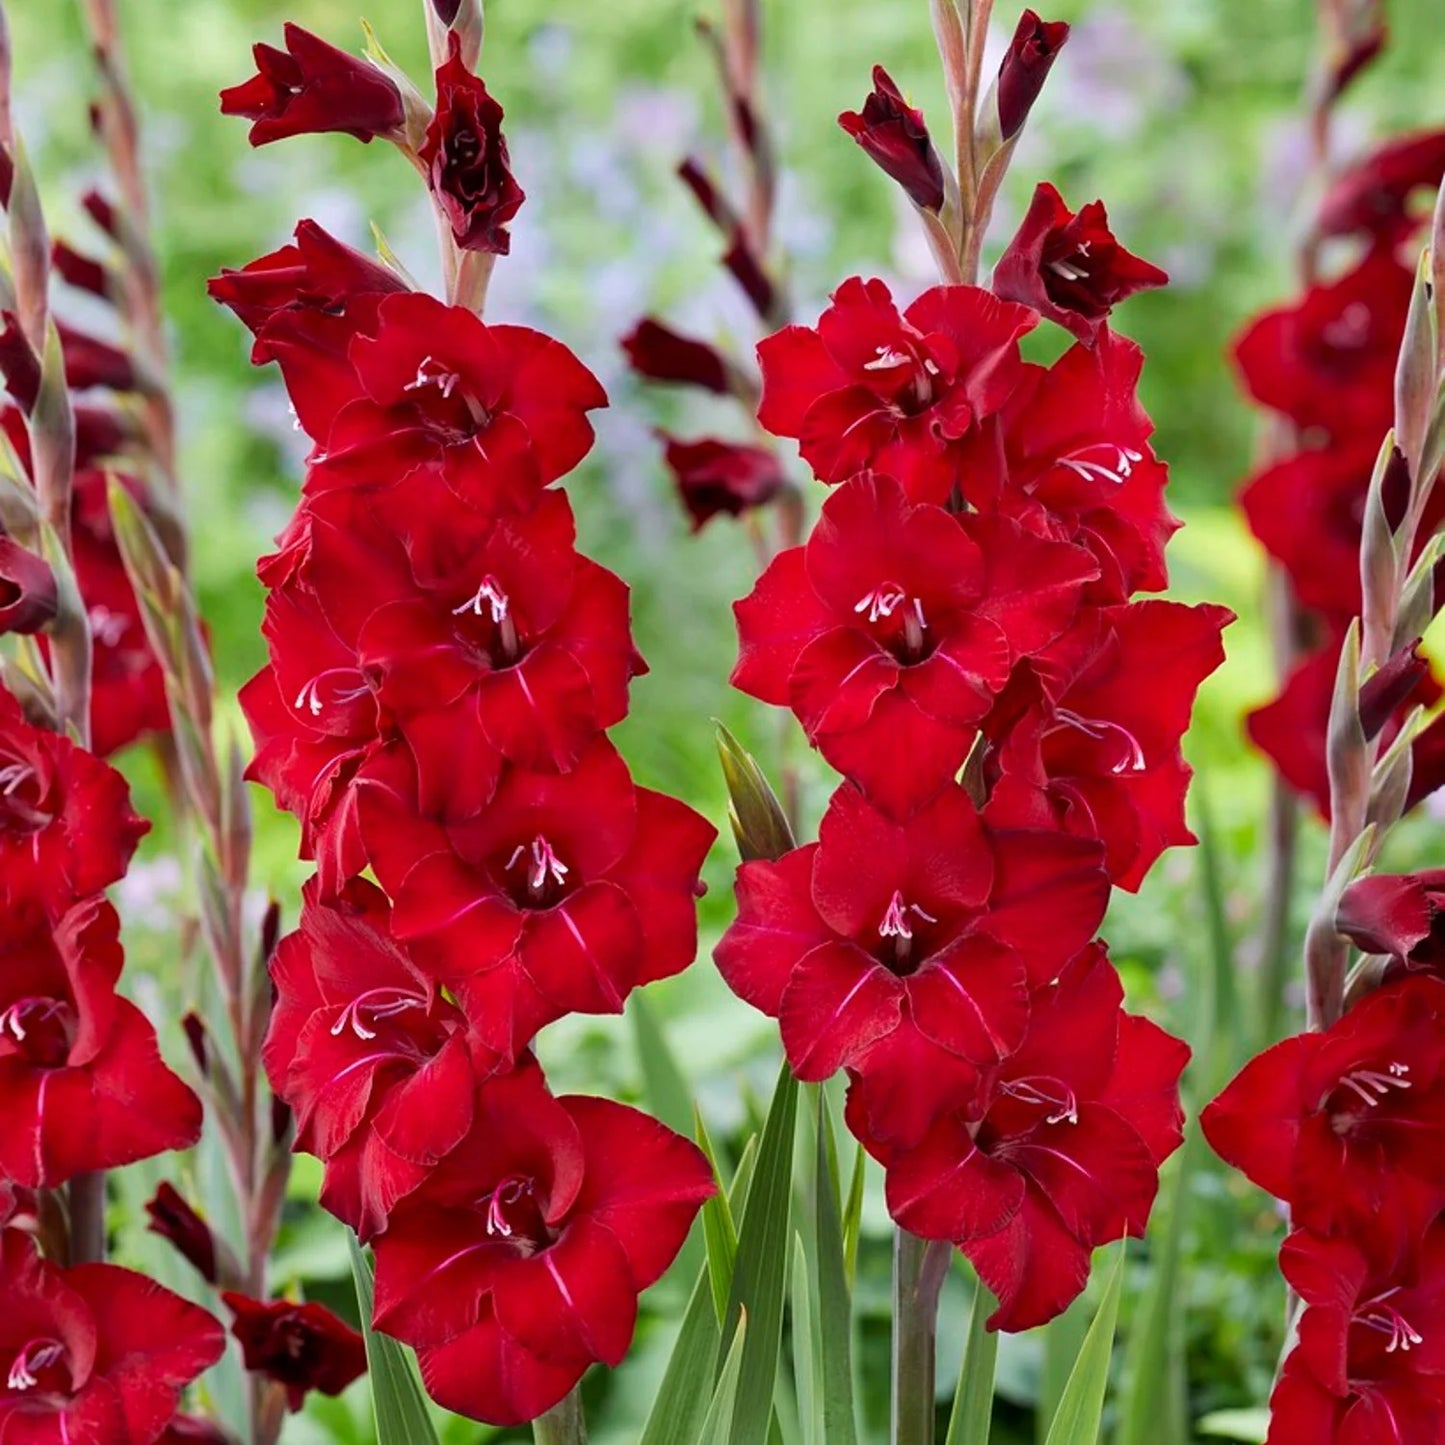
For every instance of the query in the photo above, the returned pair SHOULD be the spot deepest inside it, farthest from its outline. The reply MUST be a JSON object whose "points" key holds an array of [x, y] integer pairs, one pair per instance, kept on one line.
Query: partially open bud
{"points": [[1025, 67], [716, 477], [1390, 686], [174, 1219], [895, 135], [28, 595], [758, 822], [662, 354], [83, 272]]}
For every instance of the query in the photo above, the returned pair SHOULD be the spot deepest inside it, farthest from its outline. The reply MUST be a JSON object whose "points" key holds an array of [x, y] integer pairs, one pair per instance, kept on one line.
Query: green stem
{"points": [[919, 1266], [563, 1424], [1277, 958]]}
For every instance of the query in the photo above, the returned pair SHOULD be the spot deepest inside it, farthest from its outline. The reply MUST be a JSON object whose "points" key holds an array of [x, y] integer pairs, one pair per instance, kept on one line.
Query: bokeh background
{"points": [[1184, 115]]}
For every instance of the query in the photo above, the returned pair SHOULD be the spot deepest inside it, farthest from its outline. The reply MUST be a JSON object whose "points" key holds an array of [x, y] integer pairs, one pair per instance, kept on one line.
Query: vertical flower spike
{"points": [[443, 666]]}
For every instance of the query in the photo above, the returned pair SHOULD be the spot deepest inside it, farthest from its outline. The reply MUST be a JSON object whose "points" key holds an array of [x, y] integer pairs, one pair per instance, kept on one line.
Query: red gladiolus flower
{"points": [[1056, 1153], [1347, 1126], [895, 136], [93, 1353], [1069, 267], [871, 388], [1373, 196], [521, 1260], [376, 1064], [925, 933], [28, 597], [891, 631], [1369, 1364], [1399, 916], [716, 478], [82, 1084], [662, 354], [466, 161], [66, 825], [1094, 749], [1026, 65], [502, 409], [301, 1346], [312, 87], [1329, 361], [1069, 456], [566, 892], [91, 362], [173, 1219]]}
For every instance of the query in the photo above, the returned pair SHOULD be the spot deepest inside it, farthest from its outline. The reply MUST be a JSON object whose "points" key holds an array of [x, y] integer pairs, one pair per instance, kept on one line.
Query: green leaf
{"points": [[681, 1404], [805, 1342], [1062, 1338], [1250, 1426], [396, 1393], [1082, 1406], [761, 1272], [835, 1306], [719, 1232], [717, 1426], [853, 1214], [972, 1416]]}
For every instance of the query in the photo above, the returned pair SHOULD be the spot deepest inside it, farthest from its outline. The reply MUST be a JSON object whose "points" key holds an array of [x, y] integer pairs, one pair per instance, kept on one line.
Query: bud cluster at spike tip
{"points": [[1324, 365], [90, 1351], [960, 637], [444, 665]]}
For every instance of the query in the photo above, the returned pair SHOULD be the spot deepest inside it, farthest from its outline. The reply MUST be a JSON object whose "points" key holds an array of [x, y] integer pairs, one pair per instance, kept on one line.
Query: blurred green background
{"points": [[1184, 115]]}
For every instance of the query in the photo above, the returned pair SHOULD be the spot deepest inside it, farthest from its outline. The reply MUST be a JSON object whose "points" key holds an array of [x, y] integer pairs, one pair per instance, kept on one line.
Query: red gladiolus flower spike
{"points": [[870, 388], [520, 1262], [892, 630]]}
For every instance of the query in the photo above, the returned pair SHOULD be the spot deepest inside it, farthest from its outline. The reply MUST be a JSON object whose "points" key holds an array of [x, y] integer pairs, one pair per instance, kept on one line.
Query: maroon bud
{"points": [[661, 354], [173, 1219], [748, 272], [1395, 488], [270, 931], [707, 195], [197, 1038], [1390, 687], [89, 362], [312, 87], [280, 1119], [1025, 67], [7, 176], [83, 272], [100, 432], [895, 136], [465, 157], [101, 212], [446, 10], [28, 597], [301, 1346], [19, 365], [721, 478]]}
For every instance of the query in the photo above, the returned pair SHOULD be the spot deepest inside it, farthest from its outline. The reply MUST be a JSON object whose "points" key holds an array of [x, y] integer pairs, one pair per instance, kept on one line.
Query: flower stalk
{"points": [[919, 1269], [563, 1424]]}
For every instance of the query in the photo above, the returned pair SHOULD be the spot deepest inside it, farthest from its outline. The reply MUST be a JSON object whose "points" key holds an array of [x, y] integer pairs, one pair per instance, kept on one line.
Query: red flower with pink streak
{"points": [[1055, 1152], [1328, 362], [82, 1084], [1092, 742], [885, 944], [377, 1066], [870, 388], [1347, 1126], [301, 1346], [566, 892], [66, 825], [1069, 267], [890, 632], [1068, 455], [94, 1353], [1401, 916], [520, 1261], [1368, 1367]]}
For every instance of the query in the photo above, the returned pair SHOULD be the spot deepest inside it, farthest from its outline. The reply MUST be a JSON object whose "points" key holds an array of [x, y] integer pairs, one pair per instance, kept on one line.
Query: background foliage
{"points": [[1182, 114]]}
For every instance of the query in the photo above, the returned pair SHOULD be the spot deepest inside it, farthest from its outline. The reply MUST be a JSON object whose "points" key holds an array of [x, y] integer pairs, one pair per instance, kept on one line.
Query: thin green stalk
{"points": [[919, 1266], [563, 1424]]}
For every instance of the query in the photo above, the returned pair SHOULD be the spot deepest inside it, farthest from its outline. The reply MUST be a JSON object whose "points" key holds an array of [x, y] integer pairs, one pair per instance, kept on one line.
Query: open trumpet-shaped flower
{"points": [[891, 631], [1056, 1152], [520, 1261], [303, 1347]]}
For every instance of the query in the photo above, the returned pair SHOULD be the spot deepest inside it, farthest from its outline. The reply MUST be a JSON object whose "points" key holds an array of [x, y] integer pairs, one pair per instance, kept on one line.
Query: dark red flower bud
{"points": [[692, 174], [27, 589], [89, 362], [7, 176], [173, 1219], [749, 272], [83, 272], [19, 365], [1069, 267], [465, 155], [662, 354], [301, 1346], [101, 211], [446, 10], [894, 134], [715, 477], [1390, 687], [198, 1040], [1373, 196], [281, 1119], [1025, 67], [312, 87]]}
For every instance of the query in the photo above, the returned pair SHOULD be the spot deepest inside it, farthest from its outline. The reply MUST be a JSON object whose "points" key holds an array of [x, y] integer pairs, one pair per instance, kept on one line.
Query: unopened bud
{"points": [[758, 821], [1031, 55]]}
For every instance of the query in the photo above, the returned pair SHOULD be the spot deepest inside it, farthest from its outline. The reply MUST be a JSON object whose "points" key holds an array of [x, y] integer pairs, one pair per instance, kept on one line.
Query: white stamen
{"points": [[1100, 729], [491, 593], [545, 863], [1362, 1081], [895, 921], [444, 381], [399, 1002], [311, 700], [1066, 1109], [1387, 1320], [886, 358], [882, 601], [35, 1356], [1124, 459]]}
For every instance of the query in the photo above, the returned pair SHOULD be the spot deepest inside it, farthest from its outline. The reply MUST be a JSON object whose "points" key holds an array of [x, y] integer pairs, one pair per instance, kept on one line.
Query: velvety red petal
{"points": [[838, 1001], [1033, 1265], [948, 1188], [972, 998]]}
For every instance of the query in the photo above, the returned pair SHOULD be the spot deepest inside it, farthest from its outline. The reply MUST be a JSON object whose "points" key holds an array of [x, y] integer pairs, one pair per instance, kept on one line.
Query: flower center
{"points": [[331, 699], [432, 373], [1378, 1315], [21, 798], [900, 617], [546, 873], [1073, 264], [905, 375], [375, 1006], [491, 605], [1130, 758], [41, 1364], [898, 924], [1049, 1094], [1372, 1085], [514, 1215], [1103, 462], [42, 1029]]}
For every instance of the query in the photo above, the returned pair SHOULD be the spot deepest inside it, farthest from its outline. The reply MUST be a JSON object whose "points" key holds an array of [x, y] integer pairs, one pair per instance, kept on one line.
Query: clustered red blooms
{"points": [[1324, 366], [444, 665], [957, 637]]}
